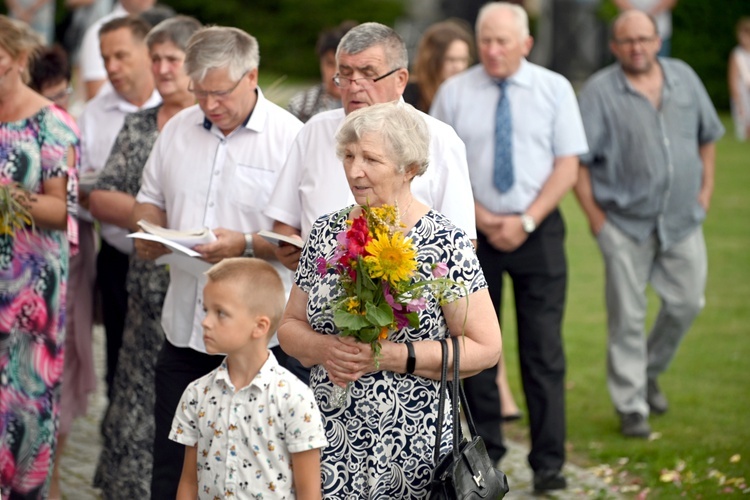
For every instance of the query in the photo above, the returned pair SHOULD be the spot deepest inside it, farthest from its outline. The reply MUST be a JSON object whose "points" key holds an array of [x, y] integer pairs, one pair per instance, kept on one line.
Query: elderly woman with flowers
{"points": [[378, 285]]}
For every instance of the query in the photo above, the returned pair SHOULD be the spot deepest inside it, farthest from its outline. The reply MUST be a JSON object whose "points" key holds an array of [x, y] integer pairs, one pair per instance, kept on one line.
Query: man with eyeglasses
{"points": [[214, 165], [645, 186], [523, 135], [371, 60]]}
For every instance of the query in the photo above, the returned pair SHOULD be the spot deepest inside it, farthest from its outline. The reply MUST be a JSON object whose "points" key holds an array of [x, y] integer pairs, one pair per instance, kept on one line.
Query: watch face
{"points": [[528, 223]]}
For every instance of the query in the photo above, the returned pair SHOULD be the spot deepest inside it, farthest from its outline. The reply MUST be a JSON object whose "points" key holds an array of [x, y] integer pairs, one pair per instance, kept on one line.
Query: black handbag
{"points": [[467, 472]]}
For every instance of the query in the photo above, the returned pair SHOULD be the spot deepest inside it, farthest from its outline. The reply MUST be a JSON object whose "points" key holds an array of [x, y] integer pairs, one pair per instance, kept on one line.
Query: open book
{"points": [[277, 238], [181, 243], [188, 238]]}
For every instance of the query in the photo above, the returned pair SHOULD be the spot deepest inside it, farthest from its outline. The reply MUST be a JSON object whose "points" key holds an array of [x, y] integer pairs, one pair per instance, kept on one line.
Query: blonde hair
{"points": [[262, 288], [18, 40]]}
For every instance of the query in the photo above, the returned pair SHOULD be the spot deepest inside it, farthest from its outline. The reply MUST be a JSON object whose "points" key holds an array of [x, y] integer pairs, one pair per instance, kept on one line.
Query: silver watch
{"points": [[528, 224], [249, 250]]}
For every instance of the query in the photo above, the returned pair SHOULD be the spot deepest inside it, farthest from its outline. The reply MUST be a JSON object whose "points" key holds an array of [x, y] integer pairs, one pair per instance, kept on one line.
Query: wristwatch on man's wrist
{"points": [[528, 224], [249, 250]]}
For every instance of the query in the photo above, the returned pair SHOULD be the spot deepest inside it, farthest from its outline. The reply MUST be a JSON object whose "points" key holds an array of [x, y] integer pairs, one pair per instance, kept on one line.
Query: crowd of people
{"points": [[222, 377]]}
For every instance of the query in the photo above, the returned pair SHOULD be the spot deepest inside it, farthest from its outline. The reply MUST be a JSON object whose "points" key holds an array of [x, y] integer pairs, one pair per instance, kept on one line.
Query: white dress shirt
{"points": [[100, 122], [546, 125], [90, 55], [202, 178], [313, 182]]}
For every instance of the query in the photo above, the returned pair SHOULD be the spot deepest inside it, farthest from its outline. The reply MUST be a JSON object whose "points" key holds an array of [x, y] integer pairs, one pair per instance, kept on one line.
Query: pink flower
{"points": [[440, 269], [322, 266], [398, 309], [418, 304]]}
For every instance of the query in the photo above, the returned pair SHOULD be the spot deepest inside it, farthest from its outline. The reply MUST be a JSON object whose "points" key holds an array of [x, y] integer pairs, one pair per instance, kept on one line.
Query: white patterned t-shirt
{"points": [[245, 437]]}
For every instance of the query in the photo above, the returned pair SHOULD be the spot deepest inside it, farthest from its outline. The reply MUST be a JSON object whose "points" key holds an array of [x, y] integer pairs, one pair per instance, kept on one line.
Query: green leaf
{"points": [[346, 320], [381, 316], [413, 318]]}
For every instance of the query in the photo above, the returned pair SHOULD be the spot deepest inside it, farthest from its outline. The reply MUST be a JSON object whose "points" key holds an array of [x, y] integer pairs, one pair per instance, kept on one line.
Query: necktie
{"points": [[503, 175]]}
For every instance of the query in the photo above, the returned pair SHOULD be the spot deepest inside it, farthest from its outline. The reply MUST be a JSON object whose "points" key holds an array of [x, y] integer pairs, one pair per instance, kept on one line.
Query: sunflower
{"points": [[392, 258]]}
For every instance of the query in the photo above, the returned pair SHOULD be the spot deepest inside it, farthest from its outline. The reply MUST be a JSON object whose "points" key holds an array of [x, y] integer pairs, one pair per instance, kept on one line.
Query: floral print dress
{"points": [[381, 442], [33, 275]]}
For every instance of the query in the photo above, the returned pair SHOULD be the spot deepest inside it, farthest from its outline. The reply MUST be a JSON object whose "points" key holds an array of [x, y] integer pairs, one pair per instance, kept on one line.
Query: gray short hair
{"points": [[176, 30], [367, 35], [221, 47], [520, 15], [404, 132]]}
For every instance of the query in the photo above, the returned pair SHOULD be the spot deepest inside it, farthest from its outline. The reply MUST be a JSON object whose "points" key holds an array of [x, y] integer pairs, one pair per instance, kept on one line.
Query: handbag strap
{"points": [[464, 401], [441, 403], [457, 394], [455, 387]]}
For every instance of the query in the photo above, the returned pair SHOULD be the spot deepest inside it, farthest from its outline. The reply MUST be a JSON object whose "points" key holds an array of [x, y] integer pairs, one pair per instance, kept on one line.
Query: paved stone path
{"points": [[84, 443]]}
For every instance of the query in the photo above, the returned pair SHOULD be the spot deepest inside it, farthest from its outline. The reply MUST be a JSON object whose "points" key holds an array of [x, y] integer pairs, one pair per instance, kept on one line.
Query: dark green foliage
{"points": [[288, 29], [704, 35]]}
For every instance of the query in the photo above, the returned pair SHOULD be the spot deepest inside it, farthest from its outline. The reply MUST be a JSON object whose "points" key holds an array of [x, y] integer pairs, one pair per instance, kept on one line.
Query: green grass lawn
{"points": [[701, 447]]}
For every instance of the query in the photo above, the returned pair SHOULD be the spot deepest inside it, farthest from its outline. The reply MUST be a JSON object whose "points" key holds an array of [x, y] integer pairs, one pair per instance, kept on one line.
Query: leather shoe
{"points": [[634, 425], [656, 400], [548, 480]]}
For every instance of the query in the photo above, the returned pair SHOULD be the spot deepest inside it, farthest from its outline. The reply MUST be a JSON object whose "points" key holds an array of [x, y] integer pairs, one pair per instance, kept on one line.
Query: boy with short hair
{"points": [[250, 427]]}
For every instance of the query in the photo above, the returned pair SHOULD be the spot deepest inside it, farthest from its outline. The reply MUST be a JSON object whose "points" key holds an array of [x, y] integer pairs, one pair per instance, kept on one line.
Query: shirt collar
{"points": [[522, 77], [262, 379], [255, 121], [114, 101], [670, 81]]}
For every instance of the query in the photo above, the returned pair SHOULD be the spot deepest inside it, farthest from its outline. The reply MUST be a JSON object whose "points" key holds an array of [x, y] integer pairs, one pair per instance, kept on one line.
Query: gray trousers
{"points": [[678, 276]]}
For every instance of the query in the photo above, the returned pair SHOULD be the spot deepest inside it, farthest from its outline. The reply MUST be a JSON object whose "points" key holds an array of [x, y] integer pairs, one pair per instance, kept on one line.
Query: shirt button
{"points": [[210, 203], [216, 172], [666, 141]]}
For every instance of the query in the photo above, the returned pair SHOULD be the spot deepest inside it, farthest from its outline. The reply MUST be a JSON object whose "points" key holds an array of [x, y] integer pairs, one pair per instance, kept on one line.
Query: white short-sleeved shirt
{"points": [[546, 125], [90, 55], [245, 437], [313, 182], [202, 178], [100, 122]]}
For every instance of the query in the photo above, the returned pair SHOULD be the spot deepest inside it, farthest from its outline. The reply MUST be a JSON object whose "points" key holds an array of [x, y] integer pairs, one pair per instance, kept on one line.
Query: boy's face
{"points": [[228, 324]]}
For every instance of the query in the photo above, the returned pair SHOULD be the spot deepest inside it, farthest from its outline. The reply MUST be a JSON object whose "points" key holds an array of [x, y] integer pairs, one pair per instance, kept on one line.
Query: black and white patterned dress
{"points": [[381, 441], [124, 468]]}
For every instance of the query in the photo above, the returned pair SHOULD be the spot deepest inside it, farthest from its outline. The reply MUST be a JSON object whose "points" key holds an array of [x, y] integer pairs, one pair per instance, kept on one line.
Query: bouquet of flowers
{"points": [[376, 265], [14, 208]]}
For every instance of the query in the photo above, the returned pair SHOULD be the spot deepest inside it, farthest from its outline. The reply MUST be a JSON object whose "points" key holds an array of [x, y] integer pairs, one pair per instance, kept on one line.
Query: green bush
{"points": [[704, 35], [288, 29]]}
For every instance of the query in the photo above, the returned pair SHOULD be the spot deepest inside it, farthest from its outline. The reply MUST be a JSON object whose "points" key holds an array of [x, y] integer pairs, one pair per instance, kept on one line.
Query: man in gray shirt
{"points": [[645, 187]]}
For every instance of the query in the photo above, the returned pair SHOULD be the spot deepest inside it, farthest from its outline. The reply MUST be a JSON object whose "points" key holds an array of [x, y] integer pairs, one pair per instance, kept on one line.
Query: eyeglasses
{"points": [[365, 82], [216, 94], [60, 96], [641, 40]]}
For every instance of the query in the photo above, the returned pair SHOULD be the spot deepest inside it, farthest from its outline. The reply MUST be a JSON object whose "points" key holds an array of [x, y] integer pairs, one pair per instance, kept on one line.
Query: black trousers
{"points": [[176, 367], [538, 270], [111, 273]]}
